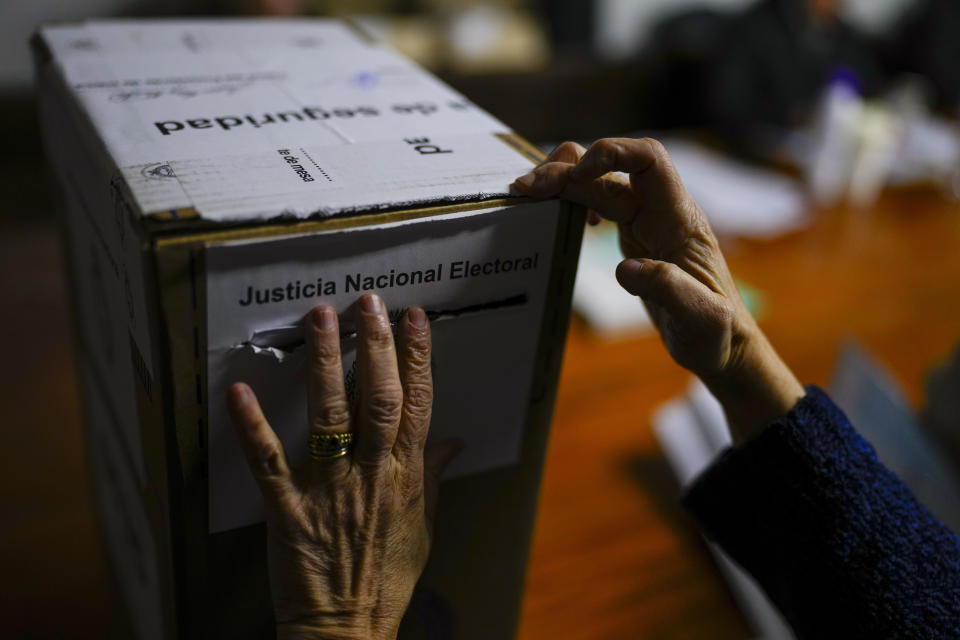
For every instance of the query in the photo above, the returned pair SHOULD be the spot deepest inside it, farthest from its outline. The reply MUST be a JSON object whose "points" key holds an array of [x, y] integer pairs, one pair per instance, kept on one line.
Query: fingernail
{"points": [[324, 318], [417, 317], [526, 181], [371, 303]]}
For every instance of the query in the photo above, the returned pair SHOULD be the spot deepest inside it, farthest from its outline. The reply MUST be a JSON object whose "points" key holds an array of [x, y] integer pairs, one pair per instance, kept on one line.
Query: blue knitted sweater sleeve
{"points": [[835, 539]]}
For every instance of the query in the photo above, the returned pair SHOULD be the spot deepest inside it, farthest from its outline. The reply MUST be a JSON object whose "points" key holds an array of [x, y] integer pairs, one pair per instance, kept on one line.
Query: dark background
{"points": [[603, 68]]}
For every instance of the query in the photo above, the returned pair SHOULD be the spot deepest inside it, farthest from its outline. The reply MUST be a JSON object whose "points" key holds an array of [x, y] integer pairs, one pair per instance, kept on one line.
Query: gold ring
{"points": [[329, 446]]}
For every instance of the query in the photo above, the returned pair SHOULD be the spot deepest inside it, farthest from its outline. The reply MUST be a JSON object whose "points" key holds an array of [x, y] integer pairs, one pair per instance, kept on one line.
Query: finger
{"points": [[611, 196], [631, 155], [663, 284], [436, 459], [652, 173], [568, 152], [593, 218], [261, 447], [545, 181], [417, 389], [328, 411], [381, 395]]}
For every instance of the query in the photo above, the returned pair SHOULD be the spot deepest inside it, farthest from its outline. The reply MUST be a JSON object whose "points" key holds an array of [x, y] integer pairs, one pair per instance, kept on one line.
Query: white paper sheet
{"points": [[481, 392], [692, 431], [738, 199]]}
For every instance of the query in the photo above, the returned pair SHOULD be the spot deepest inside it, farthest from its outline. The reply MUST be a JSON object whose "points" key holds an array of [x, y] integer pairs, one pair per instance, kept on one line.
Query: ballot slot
{"points": [[285, 340]]}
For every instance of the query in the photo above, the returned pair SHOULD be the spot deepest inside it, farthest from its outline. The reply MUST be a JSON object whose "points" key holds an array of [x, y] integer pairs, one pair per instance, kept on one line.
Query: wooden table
{"points": [[613, 556]]}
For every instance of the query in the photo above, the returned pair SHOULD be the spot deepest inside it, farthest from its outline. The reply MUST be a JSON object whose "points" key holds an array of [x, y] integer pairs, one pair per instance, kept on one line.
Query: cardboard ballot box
{"points": [[222, 177]]}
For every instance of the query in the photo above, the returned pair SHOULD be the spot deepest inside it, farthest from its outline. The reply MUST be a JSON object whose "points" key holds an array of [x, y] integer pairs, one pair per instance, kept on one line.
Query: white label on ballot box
{"points": [[481, 277]]}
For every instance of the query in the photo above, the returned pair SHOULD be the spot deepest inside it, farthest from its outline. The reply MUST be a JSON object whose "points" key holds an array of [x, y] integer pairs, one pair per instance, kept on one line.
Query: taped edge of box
{"points": [[187, 225]]}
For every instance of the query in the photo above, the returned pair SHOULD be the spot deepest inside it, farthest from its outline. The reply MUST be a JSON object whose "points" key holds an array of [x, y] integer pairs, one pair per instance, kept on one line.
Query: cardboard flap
{"points": [[240, 120], [306, 181]]}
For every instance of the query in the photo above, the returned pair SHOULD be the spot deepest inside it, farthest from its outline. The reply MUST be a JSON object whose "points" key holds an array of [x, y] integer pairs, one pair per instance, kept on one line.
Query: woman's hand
{"points": [[675, 266], [348, 537]]}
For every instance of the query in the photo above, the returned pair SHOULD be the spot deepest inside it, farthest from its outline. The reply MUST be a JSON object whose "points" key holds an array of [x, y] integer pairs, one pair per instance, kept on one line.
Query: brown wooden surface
{"points": [[613, 555]]}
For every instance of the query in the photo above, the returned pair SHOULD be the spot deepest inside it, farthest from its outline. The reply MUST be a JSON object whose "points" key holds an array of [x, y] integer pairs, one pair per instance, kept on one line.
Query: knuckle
{"points": [[607, 153], [605, 144], [607, 148], [333, 415], [656, 147], [419, 397], [384, 406], [568, 148], [325, 356], [660, 276], [656, 269], [268, 456], [378, 334], [417, 354], [667, 269]]}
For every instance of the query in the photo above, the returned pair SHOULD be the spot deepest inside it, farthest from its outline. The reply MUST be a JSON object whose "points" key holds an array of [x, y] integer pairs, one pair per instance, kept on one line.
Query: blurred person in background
{"points": [[926, 42], [776, 59], [800, 500], [764, 68], [791, 82]]}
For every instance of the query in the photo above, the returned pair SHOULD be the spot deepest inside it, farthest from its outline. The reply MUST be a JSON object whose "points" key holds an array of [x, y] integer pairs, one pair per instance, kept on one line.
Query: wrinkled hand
{"points": [[349, 537], [673, 261], [675, 266]]}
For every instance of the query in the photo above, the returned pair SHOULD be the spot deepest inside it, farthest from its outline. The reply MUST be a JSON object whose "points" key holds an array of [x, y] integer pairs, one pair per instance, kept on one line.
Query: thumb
{"points": [[260, 444], [435, 461], [663, 284]]}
